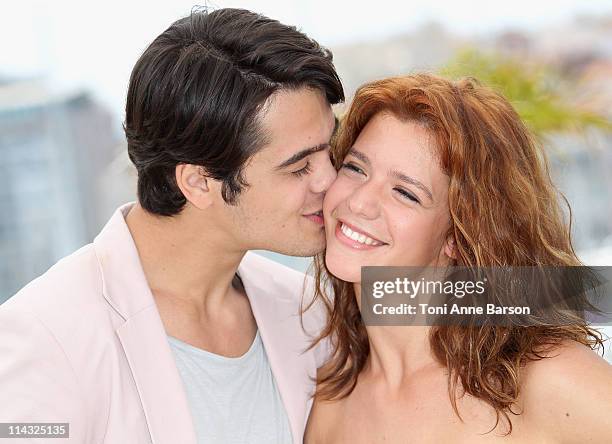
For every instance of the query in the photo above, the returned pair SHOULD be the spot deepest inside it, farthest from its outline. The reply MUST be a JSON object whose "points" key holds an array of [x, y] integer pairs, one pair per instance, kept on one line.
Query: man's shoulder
{"points": [[76, 270], [72, 280], [64, 307]]}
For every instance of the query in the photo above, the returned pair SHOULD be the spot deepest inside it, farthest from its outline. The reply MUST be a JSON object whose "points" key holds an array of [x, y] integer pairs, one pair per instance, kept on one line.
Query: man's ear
{"points": [[194, 184]]}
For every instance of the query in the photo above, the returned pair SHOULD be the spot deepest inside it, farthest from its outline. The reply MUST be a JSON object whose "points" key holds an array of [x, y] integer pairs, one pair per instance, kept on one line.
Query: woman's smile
{"points": [[355, 238]]}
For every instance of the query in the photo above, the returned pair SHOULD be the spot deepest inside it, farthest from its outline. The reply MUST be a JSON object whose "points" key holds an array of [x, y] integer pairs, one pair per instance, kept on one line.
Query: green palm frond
{"points": [[539, 94]]}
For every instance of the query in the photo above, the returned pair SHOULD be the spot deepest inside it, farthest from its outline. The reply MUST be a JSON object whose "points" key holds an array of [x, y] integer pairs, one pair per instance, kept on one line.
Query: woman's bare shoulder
{"points": [[569, 393]]}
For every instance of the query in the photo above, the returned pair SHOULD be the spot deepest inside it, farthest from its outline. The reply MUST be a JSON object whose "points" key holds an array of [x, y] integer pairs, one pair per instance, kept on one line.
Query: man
{"points": [[165, 329]]}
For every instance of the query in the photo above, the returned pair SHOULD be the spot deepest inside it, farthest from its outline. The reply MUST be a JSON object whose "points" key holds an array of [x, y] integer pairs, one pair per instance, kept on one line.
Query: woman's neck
{"points": [[397, 352]]}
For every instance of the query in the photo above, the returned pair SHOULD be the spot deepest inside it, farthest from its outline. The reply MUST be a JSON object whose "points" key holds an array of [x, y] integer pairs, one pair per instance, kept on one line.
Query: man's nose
{"points": [[325, 175]]}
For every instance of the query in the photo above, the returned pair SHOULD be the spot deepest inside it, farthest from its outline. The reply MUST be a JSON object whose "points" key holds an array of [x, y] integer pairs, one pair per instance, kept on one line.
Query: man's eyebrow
{"points": [[302, 154], [394, 173]]}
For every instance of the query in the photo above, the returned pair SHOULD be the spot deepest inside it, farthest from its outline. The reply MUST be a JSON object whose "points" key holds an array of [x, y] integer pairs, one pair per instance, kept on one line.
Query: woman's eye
{"points": [[303, 171], [407, 195], [352, 167]]}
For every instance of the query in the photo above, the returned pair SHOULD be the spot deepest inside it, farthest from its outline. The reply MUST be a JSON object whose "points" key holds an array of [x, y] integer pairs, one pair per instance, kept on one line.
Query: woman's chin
{"points": [[342, 269]]}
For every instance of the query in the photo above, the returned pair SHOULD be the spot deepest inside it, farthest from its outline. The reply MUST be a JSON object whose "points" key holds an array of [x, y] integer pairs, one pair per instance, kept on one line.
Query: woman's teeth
{"points": [[359, 237]]}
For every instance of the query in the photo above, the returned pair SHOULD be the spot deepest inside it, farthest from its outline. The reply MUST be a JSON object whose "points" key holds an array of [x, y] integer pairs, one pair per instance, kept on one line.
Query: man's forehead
{"points": [[291, 134]]}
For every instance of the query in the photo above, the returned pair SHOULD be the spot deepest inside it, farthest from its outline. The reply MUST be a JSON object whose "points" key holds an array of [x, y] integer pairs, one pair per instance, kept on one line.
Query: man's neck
{"points": [[189, 267]]}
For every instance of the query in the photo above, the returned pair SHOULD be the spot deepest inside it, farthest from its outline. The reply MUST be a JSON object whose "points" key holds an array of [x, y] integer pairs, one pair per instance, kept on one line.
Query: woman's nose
{"points": [[364, 201]]}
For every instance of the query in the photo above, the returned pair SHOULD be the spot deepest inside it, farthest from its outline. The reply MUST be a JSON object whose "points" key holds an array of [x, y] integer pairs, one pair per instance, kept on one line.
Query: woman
{"points": [[436, 173]]}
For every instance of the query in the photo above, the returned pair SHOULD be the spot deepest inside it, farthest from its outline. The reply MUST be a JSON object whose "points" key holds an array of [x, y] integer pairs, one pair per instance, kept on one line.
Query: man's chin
{"points": [[303, 248], [305, 251]]}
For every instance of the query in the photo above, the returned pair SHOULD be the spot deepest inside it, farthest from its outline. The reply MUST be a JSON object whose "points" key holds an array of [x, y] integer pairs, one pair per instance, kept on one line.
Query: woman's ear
{"points": [[450, 247]]}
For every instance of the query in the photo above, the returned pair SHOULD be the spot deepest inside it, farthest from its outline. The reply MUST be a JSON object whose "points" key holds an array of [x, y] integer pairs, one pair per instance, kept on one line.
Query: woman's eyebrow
{"points": [[393, 173], [359, 155], [411, 180]]}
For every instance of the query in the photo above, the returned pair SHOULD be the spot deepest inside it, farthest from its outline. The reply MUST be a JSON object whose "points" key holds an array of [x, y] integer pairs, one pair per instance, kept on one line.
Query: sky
{"points": [[81, 44]]}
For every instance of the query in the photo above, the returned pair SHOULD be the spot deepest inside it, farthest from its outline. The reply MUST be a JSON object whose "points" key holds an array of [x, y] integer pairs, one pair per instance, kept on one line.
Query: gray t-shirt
{"points": [[232, 400]]}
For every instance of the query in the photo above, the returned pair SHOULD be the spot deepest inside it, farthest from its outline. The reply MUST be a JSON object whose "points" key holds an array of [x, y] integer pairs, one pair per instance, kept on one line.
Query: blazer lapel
{"points": [[159, 385], [142, 335], [278, 321]]}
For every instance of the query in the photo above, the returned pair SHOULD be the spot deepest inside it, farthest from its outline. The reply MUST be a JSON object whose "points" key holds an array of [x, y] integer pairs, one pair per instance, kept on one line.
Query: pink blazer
{"points": [[84, 344]]}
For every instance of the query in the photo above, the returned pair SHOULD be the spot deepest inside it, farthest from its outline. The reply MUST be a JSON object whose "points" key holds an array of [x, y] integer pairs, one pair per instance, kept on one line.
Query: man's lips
{"points": [[316, 217]]}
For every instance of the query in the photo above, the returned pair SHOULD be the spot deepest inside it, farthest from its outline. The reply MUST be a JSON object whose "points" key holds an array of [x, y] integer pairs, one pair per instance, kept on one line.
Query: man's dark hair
{"points": [[196, 92]]}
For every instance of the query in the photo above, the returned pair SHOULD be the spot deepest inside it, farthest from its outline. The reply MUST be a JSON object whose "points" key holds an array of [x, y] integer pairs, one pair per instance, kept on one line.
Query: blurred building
{"points": [[117, 182], [53, 145], [427, 48]]}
